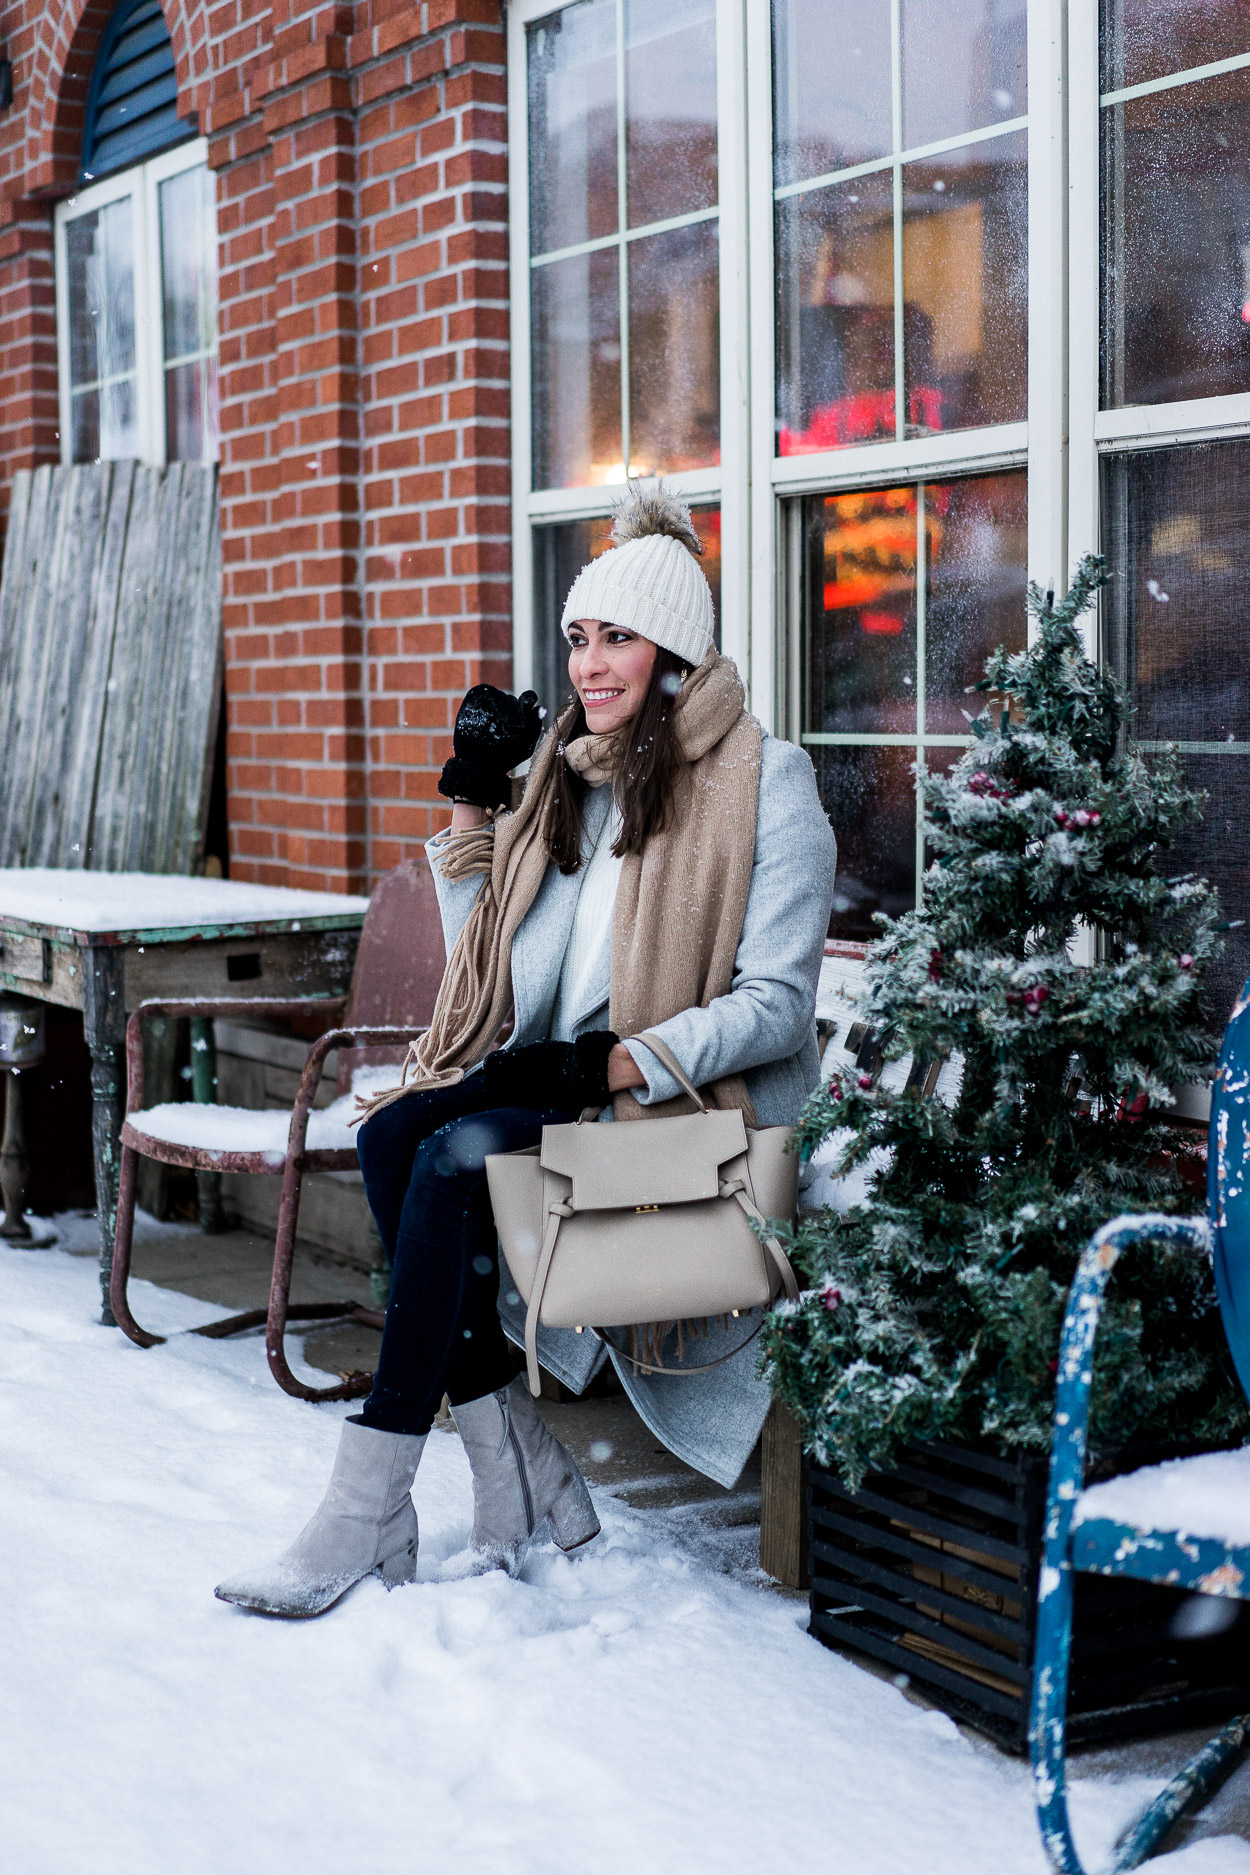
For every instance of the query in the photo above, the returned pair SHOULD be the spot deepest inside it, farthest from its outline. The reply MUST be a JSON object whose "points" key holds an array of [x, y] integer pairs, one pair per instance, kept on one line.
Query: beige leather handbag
{"points": [[648, 1221]]}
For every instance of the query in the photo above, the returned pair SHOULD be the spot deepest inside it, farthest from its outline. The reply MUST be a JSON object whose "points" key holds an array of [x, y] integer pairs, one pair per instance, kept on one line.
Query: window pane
{"points": [[191, 423], [976, 543], [1176, 243], [861, 632], [572, 125], [670, 108], [963, 66], [870, 798], [835, 337], [576, 346], [674, 350], [100, 256], [1178, 538], [560, 553], [105, 422], [189, 262], [831, 111], [1144, 39], [965, 286]]}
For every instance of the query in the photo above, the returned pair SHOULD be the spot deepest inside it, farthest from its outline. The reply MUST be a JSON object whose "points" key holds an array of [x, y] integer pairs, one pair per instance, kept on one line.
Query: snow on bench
{"points": [[249, 1129], [117, 901], [1207, 1496]]}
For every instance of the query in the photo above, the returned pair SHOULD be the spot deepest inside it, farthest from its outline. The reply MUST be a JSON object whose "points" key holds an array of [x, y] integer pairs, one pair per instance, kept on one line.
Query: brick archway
{"points": [[66, 42]]}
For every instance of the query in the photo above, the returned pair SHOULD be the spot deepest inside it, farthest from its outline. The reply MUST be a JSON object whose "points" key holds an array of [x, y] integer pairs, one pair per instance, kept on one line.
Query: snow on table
{"points": [[1207, 1496], [140, 901], [263, 1129], [629, 1706]]}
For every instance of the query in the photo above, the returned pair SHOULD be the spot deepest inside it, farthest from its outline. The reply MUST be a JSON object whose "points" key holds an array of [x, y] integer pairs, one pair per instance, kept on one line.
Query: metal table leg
{"points": [[104, 1026]]}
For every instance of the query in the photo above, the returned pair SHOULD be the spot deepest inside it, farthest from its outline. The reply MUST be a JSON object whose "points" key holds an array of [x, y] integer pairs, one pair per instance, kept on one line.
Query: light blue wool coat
{"points": [[764, 1029]]}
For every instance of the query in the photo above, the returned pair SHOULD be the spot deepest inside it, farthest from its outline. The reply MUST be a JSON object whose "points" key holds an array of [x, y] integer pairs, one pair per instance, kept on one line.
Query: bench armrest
{"points": [[208, 1006]]}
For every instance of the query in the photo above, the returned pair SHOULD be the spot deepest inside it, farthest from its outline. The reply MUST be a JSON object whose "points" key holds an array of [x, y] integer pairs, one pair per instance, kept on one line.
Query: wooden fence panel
{"points": [[110, 666]]}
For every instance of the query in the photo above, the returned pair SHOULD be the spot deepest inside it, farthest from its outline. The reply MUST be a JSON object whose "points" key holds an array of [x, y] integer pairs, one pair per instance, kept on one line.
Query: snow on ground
{"points": [[1204, 1496], [149, 901], [627, 1707]]}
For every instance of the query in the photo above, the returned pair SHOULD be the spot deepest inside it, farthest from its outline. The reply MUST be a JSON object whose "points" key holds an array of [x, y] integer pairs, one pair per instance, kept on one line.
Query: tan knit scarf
{"points": [[679, 904]]}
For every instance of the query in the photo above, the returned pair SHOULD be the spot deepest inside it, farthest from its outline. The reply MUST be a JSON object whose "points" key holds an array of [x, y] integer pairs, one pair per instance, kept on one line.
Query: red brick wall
{"points": [[360, 152]]}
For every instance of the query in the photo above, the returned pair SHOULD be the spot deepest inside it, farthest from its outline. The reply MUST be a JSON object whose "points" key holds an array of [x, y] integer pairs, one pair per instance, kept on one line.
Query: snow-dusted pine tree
{"points": [[934, 1308]]}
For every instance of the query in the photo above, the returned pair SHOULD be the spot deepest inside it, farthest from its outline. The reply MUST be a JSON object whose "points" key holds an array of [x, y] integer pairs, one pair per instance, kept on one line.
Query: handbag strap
{"points": [[664, 1054]]}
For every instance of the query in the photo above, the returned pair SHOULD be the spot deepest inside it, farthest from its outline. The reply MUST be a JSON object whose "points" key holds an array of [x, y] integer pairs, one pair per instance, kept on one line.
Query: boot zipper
{"points": [[526, 1495]]}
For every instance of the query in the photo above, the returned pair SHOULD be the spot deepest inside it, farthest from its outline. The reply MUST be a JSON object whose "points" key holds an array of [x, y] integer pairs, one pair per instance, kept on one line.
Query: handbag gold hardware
{"points": [[649, 1221]]}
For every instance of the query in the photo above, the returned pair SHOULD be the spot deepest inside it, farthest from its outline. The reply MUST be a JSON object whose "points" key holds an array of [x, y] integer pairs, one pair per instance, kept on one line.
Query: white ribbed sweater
{"points": [[592, 923]]}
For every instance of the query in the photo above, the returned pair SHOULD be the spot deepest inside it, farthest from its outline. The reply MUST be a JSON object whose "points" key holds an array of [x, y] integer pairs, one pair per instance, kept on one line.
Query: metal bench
{"points": [[399, 966], [1128, 1528]]}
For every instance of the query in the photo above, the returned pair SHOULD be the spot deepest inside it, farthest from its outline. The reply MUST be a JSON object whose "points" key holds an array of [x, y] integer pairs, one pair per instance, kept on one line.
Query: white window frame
{"points": [[141, 184]]}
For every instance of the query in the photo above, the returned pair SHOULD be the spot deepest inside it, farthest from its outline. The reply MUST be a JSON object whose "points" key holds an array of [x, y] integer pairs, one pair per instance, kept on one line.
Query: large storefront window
{"points": [[1176, 189], [920, 298], [624, 294], [901, 182]]}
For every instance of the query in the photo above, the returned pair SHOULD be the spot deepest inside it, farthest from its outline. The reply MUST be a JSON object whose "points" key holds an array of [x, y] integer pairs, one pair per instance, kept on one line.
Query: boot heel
{"points": [[399, 1568], [573, 1520]]}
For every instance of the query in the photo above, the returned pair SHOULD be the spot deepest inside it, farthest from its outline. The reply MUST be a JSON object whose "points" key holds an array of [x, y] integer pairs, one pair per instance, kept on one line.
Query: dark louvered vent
{"points": [[132, 106]]}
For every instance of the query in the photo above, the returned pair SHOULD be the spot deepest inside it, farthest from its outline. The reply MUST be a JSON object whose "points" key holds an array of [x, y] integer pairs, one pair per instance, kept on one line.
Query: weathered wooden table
{"points": [[104, 942]]}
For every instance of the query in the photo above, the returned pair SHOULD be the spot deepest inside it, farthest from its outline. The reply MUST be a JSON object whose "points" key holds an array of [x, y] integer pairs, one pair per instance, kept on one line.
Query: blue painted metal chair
{"points": [[1084, 1540]]}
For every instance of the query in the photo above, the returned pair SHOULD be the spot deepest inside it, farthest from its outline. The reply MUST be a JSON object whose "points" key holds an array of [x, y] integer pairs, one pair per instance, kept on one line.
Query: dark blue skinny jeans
{"points": [[423, 1164]]}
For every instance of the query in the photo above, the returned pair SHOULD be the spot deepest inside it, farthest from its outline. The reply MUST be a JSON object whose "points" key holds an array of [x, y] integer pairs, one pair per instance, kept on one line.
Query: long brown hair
{"points": [[645, 775]]}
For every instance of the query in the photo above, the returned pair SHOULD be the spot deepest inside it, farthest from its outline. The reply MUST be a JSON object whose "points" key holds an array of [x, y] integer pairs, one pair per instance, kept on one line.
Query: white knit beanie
{"points": [[650, 581]]}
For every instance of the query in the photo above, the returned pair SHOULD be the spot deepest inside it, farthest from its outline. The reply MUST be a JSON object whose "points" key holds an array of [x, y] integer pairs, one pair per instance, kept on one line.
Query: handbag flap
{"points": [[636, 1162]]}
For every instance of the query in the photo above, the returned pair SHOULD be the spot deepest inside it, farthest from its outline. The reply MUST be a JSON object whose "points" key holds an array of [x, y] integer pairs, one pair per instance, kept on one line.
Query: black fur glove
{"points": [[563, 1075], [493, 732]]}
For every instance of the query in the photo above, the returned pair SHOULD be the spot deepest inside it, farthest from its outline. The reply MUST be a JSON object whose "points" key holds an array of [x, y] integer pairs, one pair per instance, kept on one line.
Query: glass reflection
{"points": [[835, 337], [977, 541], [560, 553], [831, 83], [101, 295], [1178, 542], [572, 125], [870, 798], [1147, 39], [861, 637], [963, 66], [965, 286], [576, 351], [670, 108], [1176, 243], [674, 350], [189, 262]]}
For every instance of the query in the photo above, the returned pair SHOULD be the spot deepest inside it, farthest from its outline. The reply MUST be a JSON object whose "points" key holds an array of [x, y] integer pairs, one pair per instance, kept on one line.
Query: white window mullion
{"points": [[734, 248], [518, 216], [1048, 299], [772, 626], [149, 348], [1084, 269]]}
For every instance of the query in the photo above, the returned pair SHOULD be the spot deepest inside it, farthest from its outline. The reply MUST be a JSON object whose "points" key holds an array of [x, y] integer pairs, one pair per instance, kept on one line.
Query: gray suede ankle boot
{"points": [[521, 1475], [364, 1525]]}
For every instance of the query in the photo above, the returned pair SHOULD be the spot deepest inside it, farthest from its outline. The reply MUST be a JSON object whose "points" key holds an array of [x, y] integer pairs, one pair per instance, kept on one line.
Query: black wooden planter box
{"points": [[932, 1569]]}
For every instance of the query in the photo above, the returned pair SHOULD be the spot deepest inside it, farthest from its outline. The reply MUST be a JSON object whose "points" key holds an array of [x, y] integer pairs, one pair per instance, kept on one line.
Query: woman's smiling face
{"points": [[610, 669]]}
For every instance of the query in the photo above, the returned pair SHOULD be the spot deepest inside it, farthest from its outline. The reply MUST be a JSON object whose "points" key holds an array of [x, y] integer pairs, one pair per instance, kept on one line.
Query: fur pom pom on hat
{"points": [[650, 581]]}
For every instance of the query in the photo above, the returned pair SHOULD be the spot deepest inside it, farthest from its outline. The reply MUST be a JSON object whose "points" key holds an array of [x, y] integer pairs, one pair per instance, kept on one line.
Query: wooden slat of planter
{"points": [[953, 1563]]}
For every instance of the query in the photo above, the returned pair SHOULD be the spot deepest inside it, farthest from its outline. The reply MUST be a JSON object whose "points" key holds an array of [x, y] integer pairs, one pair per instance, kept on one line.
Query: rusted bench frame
{"points": [[298, 1160]]}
